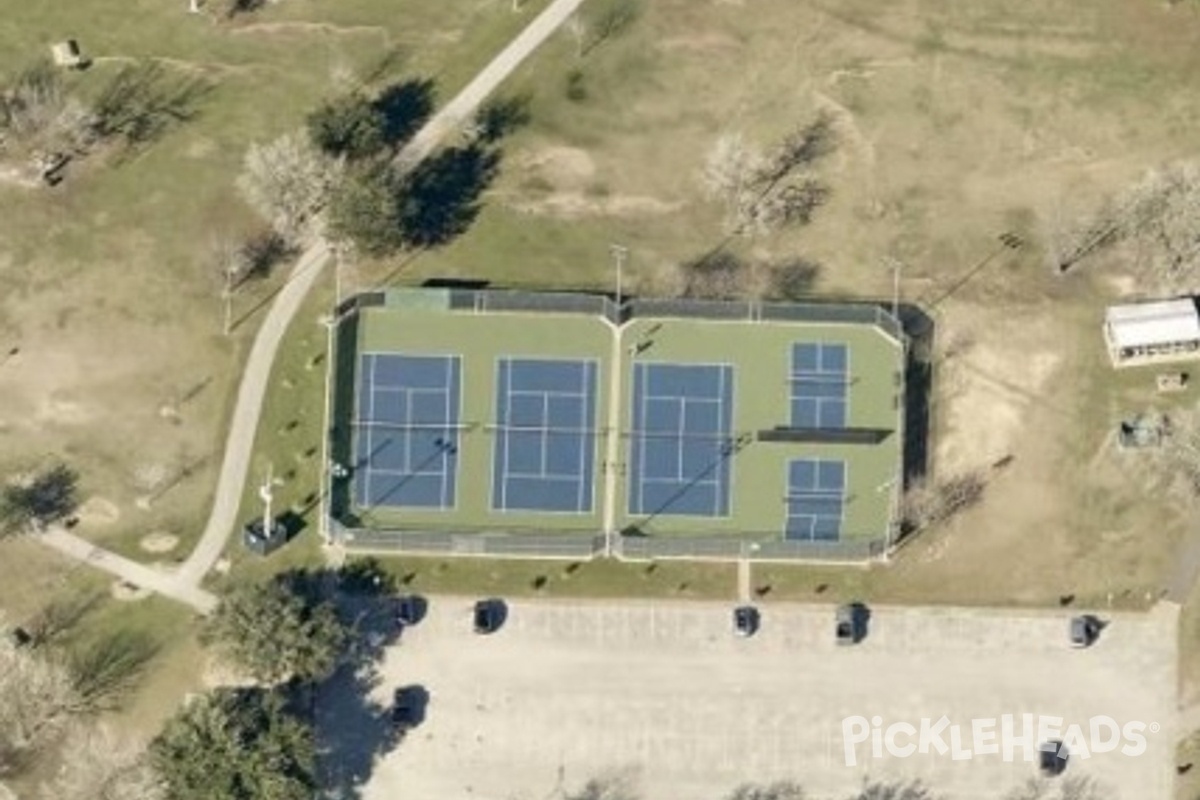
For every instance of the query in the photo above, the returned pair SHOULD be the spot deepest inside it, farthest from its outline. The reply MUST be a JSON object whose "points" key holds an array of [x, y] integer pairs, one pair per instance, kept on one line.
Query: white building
{"points": [[1152, 333]]}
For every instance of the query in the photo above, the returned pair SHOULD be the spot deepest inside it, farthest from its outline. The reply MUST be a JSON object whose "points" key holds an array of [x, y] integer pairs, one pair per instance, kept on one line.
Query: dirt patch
{"points": [[574, 205], [98, 511], [701, 43], [561, 166], [159, 542], [989, 383]]}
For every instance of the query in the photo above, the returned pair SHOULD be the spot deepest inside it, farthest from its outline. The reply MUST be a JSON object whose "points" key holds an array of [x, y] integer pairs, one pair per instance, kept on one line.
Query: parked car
{"points": [[745, 621], [489, 615], [407, 705], [410, 609], [1085, 630], [851, 623]]}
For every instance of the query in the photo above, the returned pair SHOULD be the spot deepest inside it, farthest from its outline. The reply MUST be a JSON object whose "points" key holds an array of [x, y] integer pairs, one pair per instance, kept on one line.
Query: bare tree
{"points": [[927, 504], [619, 785], [780, 790], [898, 790], [1069, 787], [765, 191], [287, 181], [100, 766], [37, 695], [576, 27]]}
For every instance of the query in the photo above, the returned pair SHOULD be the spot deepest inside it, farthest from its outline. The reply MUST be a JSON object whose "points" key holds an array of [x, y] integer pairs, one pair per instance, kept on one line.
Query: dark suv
{"points": [[489, 615], [745, 621], [851, 623]]}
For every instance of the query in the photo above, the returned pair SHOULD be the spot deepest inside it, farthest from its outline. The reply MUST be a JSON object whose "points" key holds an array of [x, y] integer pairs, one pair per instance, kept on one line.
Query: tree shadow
{"points": [[143, 101], [403, 108], [235, 8], [793, 278], [918, 392], [355, 727], [440, 198]]}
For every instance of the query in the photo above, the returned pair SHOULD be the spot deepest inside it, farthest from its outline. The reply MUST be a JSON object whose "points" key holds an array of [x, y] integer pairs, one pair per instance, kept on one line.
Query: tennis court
{"points": [[486, 430], [681, 449], [545, 435], [816, 498], [819, 385], [406, 431]]}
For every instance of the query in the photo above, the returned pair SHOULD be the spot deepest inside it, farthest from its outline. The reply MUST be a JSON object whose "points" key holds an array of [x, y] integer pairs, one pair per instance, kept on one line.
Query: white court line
{"points": [[644, 383], [544, 432], [582, 441], [445, 455], [369, 456], [680, 440], [504, 367], [726, 458]]}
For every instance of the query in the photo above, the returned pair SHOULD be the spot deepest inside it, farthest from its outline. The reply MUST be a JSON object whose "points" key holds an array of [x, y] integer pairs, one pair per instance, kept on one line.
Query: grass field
{"points": [[751, 474], [112, 294], [955, 122]]}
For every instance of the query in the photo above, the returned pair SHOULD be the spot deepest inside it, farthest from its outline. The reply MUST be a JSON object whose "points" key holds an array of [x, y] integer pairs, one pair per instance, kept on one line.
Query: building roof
{"points": [[1145, 324]]}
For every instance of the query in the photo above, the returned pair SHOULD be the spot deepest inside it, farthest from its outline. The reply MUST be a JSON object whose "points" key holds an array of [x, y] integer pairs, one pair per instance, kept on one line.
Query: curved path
{"points": [[239, 445]]}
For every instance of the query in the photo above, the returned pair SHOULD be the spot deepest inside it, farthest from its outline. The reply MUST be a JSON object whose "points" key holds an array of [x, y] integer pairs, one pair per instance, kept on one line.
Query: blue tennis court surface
{"points": [[681, 446], [545, 435], [406, 430], [815, 499], [819, 382]]}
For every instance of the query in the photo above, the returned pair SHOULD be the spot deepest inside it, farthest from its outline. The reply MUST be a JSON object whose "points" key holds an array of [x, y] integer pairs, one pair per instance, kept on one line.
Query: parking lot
{"points": [[568, 690]]}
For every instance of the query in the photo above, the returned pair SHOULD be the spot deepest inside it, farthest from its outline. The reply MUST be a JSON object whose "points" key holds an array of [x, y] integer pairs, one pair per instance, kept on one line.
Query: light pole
{"points": [[619, 254]]}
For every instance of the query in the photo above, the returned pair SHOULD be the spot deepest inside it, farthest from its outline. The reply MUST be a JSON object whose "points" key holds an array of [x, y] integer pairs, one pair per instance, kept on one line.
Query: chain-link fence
{"points": [[636, 548], [576, 545], [511, 544]]}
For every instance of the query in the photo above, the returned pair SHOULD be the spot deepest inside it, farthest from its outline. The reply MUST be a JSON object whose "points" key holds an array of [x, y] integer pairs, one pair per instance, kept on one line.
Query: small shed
{"points": [[258, 540], [1152, 333]]}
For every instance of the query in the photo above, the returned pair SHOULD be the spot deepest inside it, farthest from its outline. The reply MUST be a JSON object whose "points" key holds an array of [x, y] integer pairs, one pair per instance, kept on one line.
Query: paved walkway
{"points": [[459, 110], [239, 444], [164, 583]]}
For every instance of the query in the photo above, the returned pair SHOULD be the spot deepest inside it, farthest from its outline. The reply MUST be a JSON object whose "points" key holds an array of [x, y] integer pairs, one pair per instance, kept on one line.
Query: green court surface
{"points": [[687, 427]]}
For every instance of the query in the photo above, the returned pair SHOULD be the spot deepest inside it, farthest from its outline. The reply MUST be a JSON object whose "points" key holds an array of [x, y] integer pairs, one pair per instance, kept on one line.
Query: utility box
{"points": [[261, 541]]}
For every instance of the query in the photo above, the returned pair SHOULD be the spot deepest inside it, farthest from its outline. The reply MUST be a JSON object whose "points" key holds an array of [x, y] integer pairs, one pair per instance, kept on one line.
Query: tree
{"points": [[364, 211], [278, 632], [350, 126], [37, 696], [287, 181], [780, 790], [899, 790], [99, 766], [1069, 787], [236, 744], [762, 191], [105, 670], [616, 786], [46, 498], [926, 504]]}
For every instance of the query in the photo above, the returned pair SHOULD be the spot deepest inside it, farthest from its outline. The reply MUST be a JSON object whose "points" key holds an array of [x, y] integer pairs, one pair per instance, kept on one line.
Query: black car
{"points": [[410, 609], [489, 615], [404, 706], [1052, 757], [1085, 630], [851, 623], [745, 621]]}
